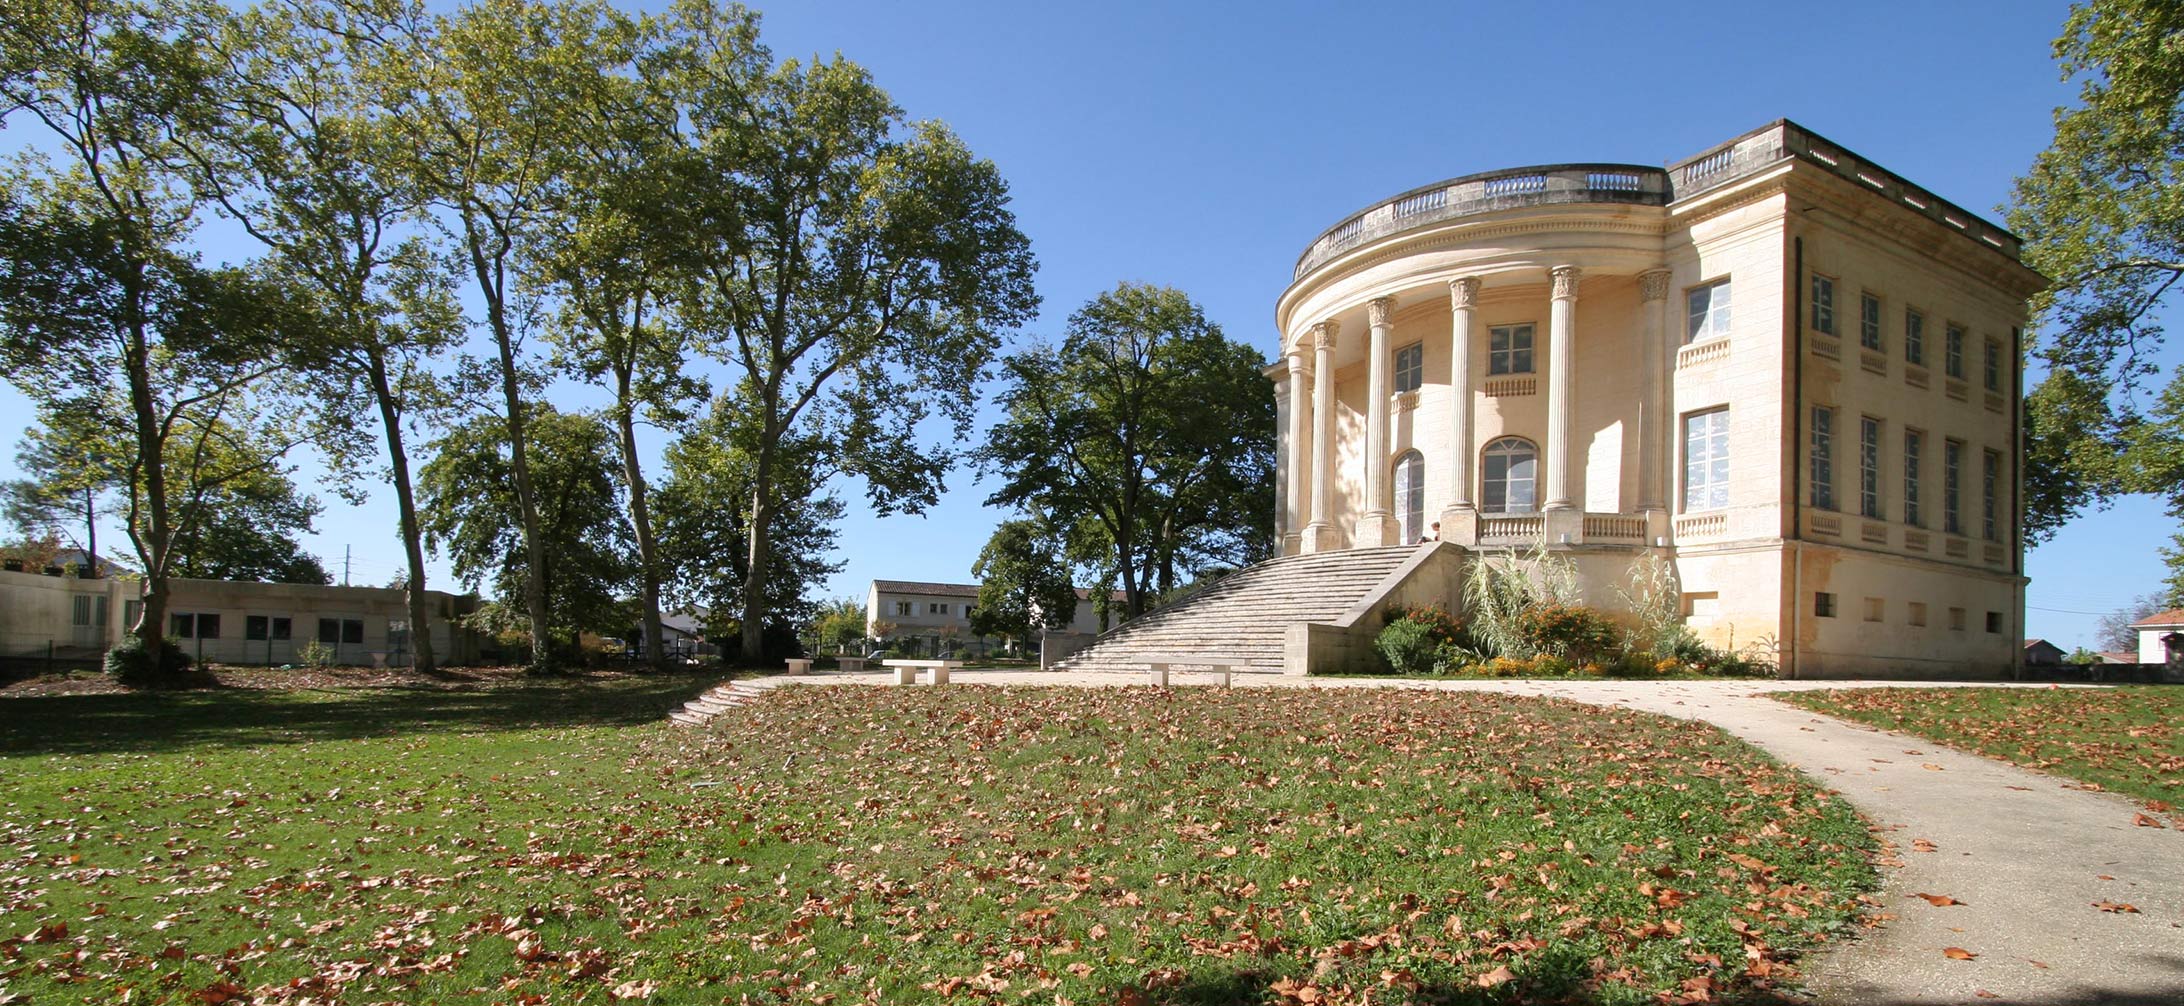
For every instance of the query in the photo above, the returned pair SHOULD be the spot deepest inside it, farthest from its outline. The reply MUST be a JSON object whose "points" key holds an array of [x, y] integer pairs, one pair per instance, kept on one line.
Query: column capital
{"points": [[1653, 284], [1379, 310], [1565, 277], [1300, 361], [1463, 292], [1326, 334]]}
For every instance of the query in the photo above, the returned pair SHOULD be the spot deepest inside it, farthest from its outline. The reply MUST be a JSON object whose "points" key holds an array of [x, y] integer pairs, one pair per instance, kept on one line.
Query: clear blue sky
{"points": [[1201, 146]]}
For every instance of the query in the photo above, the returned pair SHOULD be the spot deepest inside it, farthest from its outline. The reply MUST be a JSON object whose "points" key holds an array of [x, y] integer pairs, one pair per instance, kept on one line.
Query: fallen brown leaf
{"points": [[1938, 900], [2117, 907], [1501, 975], [1957, 953]]}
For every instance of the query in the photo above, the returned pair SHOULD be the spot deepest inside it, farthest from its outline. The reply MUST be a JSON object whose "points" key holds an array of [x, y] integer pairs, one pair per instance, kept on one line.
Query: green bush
{"points": [[316, 654], [1571, 632], [1409, 647], [133, 665]]}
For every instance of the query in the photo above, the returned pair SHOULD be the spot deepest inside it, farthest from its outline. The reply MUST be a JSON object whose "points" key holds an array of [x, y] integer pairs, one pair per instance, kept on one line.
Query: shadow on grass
{"points": [[239, 717]]}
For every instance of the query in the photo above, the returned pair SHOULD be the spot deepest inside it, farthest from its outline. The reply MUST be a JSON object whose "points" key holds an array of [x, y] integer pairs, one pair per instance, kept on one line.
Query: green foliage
{"points": [[1409, 647], [1146, 435], [315, 654], [470, 510], [839, 623], [139, 664], [2081, 657], [1581, 635], [1023, 583], [2102, 212], [1499, 588]]}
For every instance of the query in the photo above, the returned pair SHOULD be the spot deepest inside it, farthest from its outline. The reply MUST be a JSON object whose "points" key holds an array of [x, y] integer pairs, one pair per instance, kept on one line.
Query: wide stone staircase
{"points": [[1246, 615]]}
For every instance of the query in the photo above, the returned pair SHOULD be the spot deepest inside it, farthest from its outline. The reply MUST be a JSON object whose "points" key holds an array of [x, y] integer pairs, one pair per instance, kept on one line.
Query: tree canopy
{"points": [[1146, 436], [2102, 212]]}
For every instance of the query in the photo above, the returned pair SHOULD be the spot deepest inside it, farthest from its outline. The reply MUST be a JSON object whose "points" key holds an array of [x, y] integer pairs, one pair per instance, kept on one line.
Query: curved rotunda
{"points": [[1779, 365]]}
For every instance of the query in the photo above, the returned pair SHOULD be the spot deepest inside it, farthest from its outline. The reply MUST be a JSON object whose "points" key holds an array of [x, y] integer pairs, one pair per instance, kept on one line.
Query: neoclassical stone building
{"points": [[1783, 367]]}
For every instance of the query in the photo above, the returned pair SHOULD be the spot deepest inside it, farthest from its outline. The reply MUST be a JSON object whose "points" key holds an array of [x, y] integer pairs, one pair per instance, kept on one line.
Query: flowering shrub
{"points": [[1577, 634]]}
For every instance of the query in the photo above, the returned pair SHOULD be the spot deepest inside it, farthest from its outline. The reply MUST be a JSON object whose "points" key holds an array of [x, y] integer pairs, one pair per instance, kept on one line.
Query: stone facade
{"points": [[1746, 363]]}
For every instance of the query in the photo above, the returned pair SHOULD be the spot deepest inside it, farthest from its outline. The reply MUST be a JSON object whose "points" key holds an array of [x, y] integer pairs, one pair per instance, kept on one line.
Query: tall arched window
{"points": [[1511, 476], [1410, 495]]}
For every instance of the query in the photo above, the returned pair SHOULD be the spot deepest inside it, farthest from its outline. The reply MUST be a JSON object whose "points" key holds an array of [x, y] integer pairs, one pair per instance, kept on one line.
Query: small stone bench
{"points": [[936, 671], [799, 665], [1160, 664], [851, 664]]}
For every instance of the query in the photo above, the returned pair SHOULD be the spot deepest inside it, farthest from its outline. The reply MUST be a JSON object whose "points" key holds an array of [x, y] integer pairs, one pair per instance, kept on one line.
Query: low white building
{"points": [[938, 615], [2160, 636]]}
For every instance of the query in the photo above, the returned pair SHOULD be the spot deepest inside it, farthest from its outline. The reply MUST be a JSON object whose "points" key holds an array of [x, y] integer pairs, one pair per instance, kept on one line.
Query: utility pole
{"points": [[344, 565]]}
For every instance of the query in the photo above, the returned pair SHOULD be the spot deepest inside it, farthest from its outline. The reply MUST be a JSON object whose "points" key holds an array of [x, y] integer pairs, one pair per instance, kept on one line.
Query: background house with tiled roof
{"points": [[938, 615], [2160, 636]]}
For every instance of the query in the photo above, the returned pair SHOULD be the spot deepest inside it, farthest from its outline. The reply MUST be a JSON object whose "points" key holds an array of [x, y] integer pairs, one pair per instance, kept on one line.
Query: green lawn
{"points": [[2123, 739], [549, 843]]}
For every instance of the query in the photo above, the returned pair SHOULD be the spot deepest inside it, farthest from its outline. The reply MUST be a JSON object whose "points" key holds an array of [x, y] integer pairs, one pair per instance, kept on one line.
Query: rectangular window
{"points": [[181, 625], [329, 631], [131, 610], [1869, 467], [1823, 457], [104, 608], [902, 609], [208, 626], [1509, 349], [1913, 443], [1706, 460], [1956, 620], [1869, 321], [1823, 305], [281, 627], [1918, 614], [1952, 352], [1952, 484], [80, 610], [936, 609], [1914, 338], [1990, 472], [352, 630], [1875, 609], [256, 627], [1994, 621], [1410, 367], [1823, 604], [1707, 310], [1992, 365]]}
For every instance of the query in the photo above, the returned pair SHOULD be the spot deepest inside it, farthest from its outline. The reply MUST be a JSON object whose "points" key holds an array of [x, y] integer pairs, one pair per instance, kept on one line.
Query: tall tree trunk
{"points": [[405, 499], [759, 557], [640, 518], [491, 282], [91, 532], [151, 627]]}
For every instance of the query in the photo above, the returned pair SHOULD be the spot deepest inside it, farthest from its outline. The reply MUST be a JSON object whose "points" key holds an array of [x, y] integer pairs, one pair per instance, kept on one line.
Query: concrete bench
{"points": [[799, 665], [936, 671], [851, 664], [1160, 664]]}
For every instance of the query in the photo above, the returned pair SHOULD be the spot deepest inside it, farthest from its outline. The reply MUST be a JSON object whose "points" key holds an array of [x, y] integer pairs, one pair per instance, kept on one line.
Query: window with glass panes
{"points": [[1914, 338], [1823, 457], [1509, 349], [1410, 495], [1509, 476], [1952, 465], [1706, 460], [1823, 305], [1410, 367], [1707, 312], [1990, 470], [1869, 321], [1869, 467], [1913, 443], [1952, 352], [1992, 365]]}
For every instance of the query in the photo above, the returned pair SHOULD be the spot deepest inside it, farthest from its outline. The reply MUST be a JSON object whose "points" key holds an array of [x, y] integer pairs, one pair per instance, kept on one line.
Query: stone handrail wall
{"points": [[1510, 188], [1489, 192]]}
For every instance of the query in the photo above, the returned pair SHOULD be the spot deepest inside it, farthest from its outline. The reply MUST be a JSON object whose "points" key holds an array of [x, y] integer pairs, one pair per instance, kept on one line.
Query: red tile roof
{"points": [[2161, 619]]}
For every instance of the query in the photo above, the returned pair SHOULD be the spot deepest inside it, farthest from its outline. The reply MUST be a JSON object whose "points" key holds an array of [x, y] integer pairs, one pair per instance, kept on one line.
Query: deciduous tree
{"points": [[1146, 434], [1023, 582]]}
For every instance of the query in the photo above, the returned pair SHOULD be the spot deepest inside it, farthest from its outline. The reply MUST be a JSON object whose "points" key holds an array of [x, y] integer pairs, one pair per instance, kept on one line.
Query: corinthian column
{"points": [[1300, 449], [1654, 424], [1377, 526], [1463, 294], [1319, 533], [1561, 386]]}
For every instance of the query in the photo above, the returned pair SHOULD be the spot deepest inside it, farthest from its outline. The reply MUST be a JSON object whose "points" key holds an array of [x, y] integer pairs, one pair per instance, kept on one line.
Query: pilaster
{"points": [[1656, 423]]}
